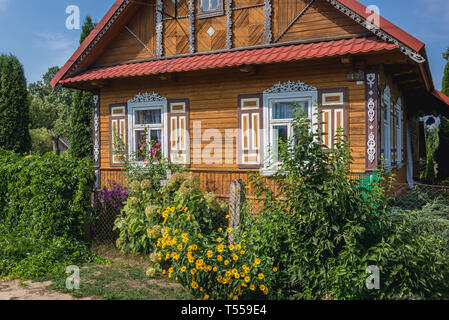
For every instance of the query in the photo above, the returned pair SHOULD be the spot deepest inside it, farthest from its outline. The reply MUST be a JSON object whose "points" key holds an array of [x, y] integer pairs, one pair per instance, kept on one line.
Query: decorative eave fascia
{"points": [[73, 68], [415, 56]]}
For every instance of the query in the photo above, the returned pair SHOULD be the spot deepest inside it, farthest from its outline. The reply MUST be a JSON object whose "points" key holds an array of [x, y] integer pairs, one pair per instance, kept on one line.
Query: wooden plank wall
{"points": [[320, 21], [213, 100]]}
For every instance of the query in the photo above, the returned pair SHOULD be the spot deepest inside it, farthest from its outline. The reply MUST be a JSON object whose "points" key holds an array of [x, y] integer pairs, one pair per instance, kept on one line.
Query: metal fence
{"points": [[419, 195], [104, 215]]}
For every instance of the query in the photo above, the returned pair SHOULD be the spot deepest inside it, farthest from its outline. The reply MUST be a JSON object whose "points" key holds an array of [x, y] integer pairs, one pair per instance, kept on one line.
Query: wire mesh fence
{"points": [[418, 195]]}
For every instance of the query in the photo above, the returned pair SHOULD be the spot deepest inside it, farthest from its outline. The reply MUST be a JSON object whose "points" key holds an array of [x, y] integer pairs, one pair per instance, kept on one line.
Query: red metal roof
{"points": [[236, 58], [353, 5], [441, 96]]}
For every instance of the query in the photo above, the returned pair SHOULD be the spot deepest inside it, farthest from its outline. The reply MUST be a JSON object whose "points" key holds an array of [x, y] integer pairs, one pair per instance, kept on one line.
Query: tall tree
{"points": [[81, 118], [49, 112], [442, 153], [14, 106]]}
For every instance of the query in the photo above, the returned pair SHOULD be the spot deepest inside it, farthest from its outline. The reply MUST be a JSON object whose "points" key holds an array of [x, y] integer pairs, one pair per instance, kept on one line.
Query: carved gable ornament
{"points": [[290, 86], [146, 98]]}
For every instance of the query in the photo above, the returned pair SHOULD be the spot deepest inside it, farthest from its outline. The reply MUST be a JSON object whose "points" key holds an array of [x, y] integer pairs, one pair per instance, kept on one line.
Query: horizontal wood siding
{"points": [[213, 99]]}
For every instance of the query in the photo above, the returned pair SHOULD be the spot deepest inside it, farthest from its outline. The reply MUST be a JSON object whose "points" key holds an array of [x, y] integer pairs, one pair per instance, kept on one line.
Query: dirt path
{"points": [[14, 290]]}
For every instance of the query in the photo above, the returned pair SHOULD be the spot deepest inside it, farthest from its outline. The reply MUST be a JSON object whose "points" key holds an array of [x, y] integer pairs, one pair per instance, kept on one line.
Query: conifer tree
{"points": [[14, 106], [81, 118]]}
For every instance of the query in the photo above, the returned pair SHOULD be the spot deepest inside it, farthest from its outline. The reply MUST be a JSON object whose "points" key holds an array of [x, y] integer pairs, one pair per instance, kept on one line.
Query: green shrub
{"points": [[44, 203]]}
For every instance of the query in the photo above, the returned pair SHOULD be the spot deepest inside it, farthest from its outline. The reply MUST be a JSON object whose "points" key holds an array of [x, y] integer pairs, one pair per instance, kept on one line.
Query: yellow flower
{"points": [[228, 230], [219, 258], [220, 248], [265, 291], [220, 229], [242, 252], [200, 262], [194, 285], [164, 271], [238, 247], [210, 254], [193, 271], [235, 298], [237, 276], [257, 261], [235, 257], [260, 276], [215, 269], [226, 262], [188, 218], [199, 235], [275, 269], [228, 216], [206, 297], [247, 279], [262, 287], [231, 247], [183, 269], [219, 239], [194, 247], [252, 287], [179, 247]]}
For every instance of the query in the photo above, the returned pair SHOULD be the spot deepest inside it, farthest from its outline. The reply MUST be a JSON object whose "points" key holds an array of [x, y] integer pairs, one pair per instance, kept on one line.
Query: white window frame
{"points": [[387, 127], [399, 133], [133, 107], [271, 167]]}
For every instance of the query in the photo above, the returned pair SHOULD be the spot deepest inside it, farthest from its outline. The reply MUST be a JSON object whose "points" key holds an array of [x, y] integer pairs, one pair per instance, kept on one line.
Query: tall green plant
{"points": [[14, 106], [81, 118]]}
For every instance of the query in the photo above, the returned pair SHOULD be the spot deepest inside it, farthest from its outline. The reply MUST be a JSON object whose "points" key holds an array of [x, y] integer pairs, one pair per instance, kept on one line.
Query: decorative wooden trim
{"points": [[332, 107], [290, 86], [96, 129], [192, 26], [268, 12], [159, 29], [372, 118], [111, 138], [72, 69], [179, 114], [415, 56], [229, 23], [250, 112]]}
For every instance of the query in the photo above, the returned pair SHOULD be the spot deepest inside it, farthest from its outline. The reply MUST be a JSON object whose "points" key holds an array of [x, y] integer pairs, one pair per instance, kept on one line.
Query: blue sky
{"points": [[34, 30]]}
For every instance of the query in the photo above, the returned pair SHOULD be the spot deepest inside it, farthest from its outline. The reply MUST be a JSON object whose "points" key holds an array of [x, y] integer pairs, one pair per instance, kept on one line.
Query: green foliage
{"points": [[442, 153], [49, 111], [14, 106], [81, 116], [40, 141], [44, 203], [81, 125], [326, 233]]}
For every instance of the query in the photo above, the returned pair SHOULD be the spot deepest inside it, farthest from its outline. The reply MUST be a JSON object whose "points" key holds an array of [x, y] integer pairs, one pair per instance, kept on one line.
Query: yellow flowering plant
{"points": [[208, 265]]}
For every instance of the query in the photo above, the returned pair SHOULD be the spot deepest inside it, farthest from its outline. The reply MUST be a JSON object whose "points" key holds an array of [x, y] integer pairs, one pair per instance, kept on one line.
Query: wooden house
{"points": [[199, 76]]}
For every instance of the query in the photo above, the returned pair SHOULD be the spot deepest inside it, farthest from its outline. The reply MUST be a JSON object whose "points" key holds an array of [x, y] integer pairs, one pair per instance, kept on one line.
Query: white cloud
{"points": [[53, 41], [4, 5]]}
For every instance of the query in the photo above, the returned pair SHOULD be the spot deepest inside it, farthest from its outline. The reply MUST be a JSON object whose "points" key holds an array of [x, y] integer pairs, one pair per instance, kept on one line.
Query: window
{"points": [[210, 8], [279, 111], [147, 123]]}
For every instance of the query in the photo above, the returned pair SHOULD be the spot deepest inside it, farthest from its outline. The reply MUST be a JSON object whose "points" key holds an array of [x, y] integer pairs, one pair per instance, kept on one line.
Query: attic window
{"points": [[210, 8]]}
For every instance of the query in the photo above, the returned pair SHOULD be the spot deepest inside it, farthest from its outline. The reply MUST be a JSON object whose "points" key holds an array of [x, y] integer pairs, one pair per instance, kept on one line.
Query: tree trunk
{"points": [[55, 143]]}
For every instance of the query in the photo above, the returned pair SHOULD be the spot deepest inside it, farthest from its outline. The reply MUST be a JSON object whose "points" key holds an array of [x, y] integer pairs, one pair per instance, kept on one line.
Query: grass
{"points": [[122, 279]]}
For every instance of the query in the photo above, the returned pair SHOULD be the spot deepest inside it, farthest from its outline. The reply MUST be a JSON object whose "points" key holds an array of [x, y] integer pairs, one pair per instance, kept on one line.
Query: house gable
{"points": [[148, 33]]}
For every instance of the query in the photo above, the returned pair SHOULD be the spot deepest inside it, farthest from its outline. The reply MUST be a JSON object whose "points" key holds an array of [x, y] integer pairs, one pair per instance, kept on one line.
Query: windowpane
{"points": [[153, 116], [141, 144], [285, 110], [213, 5], [280, 135], [205, 5], [156, 135]]}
